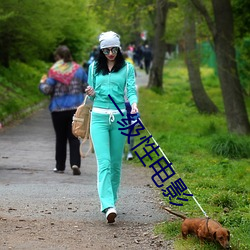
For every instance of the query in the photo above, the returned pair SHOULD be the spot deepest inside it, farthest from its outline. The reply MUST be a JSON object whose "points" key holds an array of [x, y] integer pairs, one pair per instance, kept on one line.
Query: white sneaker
{"points": [[58, 171], [111, 214], [129, 156]]}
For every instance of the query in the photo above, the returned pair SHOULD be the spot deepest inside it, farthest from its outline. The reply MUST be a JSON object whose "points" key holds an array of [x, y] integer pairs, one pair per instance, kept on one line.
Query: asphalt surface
{"points": [[26, 164]]}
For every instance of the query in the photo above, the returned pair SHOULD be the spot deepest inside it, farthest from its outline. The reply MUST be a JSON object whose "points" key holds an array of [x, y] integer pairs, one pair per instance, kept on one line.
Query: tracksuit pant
{"points": [[108, 145]]}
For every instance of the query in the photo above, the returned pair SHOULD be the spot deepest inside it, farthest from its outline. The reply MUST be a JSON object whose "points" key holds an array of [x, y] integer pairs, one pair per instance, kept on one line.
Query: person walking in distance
{"points": [[147, 54], [65, 84], [109, 75]]}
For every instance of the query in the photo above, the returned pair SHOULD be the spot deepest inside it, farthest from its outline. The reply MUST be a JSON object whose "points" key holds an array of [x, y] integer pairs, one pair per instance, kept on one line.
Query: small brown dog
{"points": [[204, 228]]}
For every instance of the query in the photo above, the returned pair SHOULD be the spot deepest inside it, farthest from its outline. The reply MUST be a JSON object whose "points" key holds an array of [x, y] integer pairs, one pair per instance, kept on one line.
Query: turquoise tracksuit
{"points": [[107, 139]]}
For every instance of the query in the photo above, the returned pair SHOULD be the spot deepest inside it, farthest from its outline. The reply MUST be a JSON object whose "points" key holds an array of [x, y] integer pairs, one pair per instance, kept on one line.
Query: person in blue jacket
{"points": [[109, 75], [65, 83]]}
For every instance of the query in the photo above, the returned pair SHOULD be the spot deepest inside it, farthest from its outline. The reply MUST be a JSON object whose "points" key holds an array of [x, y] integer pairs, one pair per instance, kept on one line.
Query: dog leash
{"points": [[198, 204]]}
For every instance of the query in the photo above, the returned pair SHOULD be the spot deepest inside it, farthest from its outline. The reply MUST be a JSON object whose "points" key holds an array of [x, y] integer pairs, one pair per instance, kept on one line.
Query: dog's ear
{"points": [[214, 235], [228, 237]]}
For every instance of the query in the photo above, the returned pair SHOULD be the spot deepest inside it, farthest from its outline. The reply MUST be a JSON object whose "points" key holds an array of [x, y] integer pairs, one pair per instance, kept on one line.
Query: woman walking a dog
{"points": [[109, 75]]}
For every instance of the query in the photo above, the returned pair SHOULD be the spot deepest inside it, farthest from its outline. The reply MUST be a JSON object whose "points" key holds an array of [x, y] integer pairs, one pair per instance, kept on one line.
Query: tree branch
{"points": [[172, 5], [202, 9]]}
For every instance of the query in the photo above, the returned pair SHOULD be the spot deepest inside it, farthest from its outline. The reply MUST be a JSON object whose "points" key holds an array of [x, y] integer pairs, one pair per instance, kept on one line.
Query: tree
{"points": [[201, 99], [28, 33], [223, 38], [127, 17], [159, 44]]}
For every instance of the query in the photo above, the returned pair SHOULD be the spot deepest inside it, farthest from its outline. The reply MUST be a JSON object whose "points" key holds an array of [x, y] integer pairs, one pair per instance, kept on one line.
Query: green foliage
{"points": [[19, 87], [28, 33], [231, 146], [210, 129], [242, 37], [175, 28], [175, 24], [128, 18], [219, 183], [241, 17], [224, 200], [243, 59]]}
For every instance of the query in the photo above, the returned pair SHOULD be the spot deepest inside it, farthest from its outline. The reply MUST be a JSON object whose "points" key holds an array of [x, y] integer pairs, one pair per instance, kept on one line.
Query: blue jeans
{"points": [[108, 145]]}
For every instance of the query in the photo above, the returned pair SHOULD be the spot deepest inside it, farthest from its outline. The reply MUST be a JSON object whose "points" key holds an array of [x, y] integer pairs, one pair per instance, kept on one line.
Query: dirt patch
{"points": [[50, 234]]}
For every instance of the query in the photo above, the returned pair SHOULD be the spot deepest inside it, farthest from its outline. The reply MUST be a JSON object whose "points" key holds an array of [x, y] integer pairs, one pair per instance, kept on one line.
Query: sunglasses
{"points": [[106, 51]]}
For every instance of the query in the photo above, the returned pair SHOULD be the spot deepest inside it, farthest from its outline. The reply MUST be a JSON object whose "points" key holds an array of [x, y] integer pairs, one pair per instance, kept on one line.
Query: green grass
{"points": [[214, 164], [19, 88]]}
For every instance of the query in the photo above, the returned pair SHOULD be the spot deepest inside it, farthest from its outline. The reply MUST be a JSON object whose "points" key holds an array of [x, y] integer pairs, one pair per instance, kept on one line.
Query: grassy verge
{"points": [[19, 88], [213, 164]]}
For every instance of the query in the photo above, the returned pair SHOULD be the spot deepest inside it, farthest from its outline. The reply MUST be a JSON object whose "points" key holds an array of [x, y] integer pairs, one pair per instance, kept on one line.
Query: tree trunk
{"points": [[201, 99], [159, 47], [223, 38], [235, 109]]}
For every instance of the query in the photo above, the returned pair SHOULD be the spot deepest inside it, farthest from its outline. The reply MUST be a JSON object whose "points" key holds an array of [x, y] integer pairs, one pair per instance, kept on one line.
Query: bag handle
{"points": [[85, 99], [85, 139], [91, 148]]}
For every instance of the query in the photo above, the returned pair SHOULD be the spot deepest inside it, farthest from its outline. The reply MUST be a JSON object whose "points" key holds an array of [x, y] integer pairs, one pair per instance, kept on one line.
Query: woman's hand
{"points": [[90, 91], [43, 79], [134, 108]]}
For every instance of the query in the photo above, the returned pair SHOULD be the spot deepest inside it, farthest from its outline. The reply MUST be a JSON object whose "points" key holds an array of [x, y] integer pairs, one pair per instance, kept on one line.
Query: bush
{"points": [[19, 88], [224, 200], [231, 146]]}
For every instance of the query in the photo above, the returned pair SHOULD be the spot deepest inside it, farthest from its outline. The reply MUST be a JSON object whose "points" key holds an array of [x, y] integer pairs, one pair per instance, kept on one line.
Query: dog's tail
{"points": [[175, 213]]}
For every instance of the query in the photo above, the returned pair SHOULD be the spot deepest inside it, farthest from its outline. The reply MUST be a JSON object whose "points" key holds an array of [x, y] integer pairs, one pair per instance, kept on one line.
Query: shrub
{"points": [[224, 200], [231, 146]]}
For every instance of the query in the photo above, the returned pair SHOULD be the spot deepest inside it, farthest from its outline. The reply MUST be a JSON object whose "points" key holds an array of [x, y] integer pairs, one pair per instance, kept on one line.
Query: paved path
{"points": [[141, 78], [31, 191]]}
